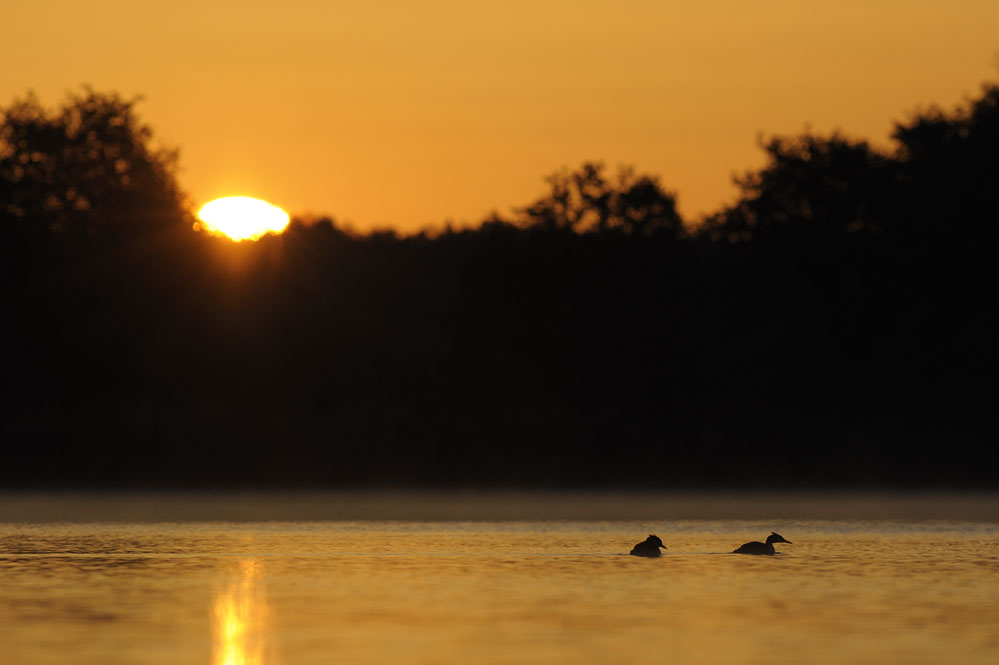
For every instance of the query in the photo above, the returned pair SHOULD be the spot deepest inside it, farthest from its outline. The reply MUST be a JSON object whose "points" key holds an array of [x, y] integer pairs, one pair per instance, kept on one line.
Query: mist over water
{"points": [[499, 590]]}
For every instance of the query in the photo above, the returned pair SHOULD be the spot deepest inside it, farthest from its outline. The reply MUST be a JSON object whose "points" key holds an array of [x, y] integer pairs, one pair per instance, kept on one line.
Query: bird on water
{"points": [[757, 547], [648, 547]]}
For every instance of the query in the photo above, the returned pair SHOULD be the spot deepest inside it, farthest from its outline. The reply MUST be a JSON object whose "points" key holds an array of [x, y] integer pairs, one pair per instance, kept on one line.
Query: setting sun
{"points": [[242, 218]]}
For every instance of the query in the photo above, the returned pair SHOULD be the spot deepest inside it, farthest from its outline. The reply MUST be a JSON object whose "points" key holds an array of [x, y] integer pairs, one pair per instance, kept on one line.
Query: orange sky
{"points": [[408, 114]]}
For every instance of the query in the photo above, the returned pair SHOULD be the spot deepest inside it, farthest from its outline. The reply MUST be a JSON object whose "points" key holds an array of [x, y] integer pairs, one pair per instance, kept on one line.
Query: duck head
{"points": [[654, 540], [777, 538]]}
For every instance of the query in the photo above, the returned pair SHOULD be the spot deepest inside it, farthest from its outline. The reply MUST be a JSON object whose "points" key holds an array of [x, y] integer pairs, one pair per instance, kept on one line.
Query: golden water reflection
{"points": [[239, 617]]}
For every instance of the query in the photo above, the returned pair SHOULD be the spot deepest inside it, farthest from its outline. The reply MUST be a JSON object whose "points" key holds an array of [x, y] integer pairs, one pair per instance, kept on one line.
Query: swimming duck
{"points": [[648, 547], [757, 547]]}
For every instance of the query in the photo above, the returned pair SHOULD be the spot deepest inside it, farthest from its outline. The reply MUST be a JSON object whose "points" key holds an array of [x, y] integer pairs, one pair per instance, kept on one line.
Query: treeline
{"points": [[835, 326]]}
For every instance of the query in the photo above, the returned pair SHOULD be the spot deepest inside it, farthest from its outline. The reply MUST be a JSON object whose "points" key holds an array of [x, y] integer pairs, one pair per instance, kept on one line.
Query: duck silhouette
{"points": [[648, 547], [757, 547]]}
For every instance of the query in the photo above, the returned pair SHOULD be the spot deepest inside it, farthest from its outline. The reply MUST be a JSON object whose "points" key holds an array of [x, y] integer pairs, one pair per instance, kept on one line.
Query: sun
{"points": [[242, 218]]}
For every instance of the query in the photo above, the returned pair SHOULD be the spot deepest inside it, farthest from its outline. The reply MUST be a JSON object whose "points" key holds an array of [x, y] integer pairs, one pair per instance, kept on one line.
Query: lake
{"points": [[378, 578]]}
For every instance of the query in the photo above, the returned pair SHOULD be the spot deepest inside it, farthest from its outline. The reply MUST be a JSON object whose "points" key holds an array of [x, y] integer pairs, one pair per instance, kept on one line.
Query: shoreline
{"points": [[493, 505]]}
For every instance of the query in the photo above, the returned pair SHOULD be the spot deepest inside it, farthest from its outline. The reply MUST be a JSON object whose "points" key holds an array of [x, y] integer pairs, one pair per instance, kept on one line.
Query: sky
{"points": [[385, 113]]}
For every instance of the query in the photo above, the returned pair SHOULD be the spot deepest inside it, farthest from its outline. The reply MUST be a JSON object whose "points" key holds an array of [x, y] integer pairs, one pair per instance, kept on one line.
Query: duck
{"points": [[648, 547], [757, 547]]}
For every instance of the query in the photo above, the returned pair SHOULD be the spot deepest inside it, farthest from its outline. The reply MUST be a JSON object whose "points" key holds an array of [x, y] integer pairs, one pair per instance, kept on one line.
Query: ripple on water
{"points": [[481, 592]]}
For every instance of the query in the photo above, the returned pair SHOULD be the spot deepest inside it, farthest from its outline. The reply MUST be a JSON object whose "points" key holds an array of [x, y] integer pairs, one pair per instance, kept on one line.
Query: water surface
{"points": [[536, 591]]}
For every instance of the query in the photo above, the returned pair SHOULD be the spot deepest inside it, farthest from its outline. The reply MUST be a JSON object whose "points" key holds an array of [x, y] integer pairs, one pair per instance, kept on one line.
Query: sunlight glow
{"points": [[241, 218], [239, 619]]}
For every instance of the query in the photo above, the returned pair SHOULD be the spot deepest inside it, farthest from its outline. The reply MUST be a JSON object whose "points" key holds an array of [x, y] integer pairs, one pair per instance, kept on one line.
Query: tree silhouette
{"points": [[84, 172], [832, 326], [585, 201], [947, 174], [812, 190]]}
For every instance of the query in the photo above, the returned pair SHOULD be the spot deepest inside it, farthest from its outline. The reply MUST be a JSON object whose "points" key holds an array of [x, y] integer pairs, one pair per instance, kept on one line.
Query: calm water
{"points": [[540, 591]]}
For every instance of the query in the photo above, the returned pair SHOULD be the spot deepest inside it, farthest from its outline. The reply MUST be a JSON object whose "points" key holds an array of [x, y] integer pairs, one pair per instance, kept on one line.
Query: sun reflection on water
{"points": [[239, 618]]}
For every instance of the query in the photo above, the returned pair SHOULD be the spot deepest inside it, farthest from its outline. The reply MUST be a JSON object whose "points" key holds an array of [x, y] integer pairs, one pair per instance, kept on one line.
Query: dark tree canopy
{"points": [[812, 188], [938, 183], [585, 201], [834, 326], [85, 170], [948, 172]]}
